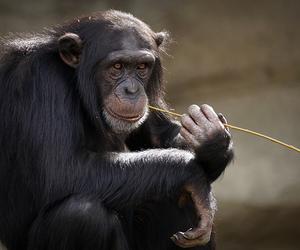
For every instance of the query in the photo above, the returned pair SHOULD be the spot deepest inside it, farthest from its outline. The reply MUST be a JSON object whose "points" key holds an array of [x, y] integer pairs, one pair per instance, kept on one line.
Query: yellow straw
{"points": [[237, 128]]}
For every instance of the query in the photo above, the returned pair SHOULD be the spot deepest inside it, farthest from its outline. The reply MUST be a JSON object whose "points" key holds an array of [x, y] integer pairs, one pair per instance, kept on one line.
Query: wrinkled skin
{"points": [[201, 124]]}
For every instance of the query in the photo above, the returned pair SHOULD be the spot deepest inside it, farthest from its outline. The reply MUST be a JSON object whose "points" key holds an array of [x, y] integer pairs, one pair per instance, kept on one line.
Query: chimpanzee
{"points": [[84, 163]]}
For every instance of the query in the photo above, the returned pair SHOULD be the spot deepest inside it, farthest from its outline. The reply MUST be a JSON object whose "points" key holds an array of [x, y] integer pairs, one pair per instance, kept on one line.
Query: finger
{"points": [[209, 112], [196, 114], [180, 240], [203, 230], [188, 137], [189, 124], [198, 233], [192, 234], [222, 118]]}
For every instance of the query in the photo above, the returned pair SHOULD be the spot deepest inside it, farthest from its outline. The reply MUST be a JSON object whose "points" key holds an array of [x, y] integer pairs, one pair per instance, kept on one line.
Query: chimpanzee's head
{"points": [[121, 54]]}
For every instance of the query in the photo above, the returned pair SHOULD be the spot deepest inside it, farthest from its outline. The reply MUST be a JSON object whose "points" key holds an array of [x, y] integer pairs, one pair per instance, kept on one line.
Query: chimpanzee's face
{"points": [[124, 75]]}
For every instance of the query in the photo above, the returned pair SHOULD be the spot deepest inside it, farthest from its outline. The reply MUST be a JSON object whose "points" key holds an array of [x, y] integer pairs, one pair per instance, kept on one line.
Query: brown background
{"points": [[242, 57]]}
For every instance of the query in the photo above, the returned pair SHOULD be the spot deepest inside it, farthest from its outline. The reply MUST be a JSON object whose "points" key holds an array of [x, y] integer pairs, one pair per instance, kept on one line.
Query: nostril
{"points": [[130, 90]]}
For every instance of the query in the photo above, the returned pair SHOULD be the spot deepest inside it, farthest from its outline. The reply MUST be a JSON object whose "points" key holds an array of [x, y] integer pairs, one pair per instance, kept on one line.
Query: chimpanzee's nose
{"points": [[131, 89]]}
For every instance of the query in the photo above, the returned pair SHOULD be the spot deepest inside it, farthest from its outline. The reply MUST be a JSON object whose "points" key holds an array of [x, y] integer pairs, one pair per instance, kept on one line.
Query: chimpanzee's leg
{"points": [[77, 223]]}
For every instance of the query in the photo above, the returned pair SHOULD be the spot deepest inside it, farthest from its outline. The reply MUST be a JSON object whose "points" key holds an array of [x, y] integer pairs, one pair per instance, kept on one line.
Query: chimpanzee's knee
{"points": [[77, 223]]}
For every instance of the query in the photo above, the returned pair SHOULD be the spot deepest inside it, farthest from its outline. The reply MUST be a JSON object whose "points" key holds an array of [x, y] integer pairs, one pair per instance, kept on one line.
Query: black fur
{"points": [[66, 181]]}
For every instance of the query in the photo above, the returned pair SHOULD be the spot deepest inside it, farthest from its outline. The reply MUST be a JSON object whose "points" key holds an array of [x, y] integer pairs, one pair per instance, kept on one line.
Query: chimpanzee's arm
{"points": [[133, 177], [200, 131]]}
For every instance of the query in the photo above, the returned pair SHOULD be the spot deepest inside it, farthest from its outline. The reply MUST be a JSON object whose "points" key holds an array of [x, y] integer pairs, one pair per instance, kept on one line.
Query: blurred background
{"points": [[243, 58]]}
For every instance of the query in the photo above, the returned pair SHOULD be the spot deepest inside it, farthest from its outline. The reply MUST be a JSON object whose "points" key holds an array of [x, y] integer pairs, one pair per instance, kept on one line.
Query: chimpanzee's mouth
{"points": [[128, 118]]}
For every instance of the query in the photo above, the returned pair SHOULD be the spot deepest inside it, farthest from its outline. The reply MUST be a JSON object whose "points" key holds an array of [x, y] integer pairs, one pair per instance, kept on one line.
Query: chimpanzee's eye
{"points": [[142, 66], [142, 70], [118, 66], [116, 70]]}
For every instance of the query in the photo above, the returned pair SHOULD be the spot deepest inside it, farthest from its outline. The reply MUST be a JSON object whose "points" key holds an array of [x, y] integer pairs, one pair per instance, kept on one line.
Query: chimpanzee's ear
{"points": [[70, 47], [161, 38]]}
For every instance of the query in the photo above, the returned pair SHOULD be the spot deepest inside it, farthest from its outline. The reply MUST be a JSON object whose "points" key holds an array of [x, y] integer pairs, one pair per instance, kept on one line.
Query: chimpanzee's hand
{"points": [[205, 208], [202, 126]]}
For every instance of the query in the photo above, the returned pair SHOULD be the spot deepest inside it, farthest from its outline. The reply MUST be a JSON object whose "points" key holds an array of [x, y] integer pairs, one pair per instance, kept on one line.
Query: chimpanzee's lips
{"points": [[129, 118]]}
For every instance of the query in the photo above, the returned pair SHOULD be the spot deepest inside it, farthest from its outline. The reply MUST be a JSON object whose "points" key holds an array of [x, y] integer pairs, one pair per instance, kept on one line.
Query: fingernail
{"points": [[175, 236], [181, 233], [185, 236]]}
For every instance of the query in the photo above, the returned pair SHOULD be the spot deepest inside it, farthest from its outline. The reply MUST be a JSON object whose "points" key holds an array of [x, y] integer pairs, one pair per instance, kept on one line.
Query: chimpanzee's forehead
{"points": [[130, 39]]}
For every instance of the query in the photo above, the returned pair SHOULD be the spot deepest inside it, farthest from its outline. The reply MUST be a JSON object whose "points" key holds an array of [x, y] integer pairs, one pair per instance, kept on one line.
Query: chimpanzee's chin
{"points": [[124, 125]]}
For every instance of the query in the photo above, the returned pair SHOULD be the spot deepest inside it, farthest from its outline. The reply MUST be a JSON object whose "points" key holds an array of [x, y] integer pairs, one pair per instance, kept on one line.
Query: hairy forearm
{"points": [[137, 176]]}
